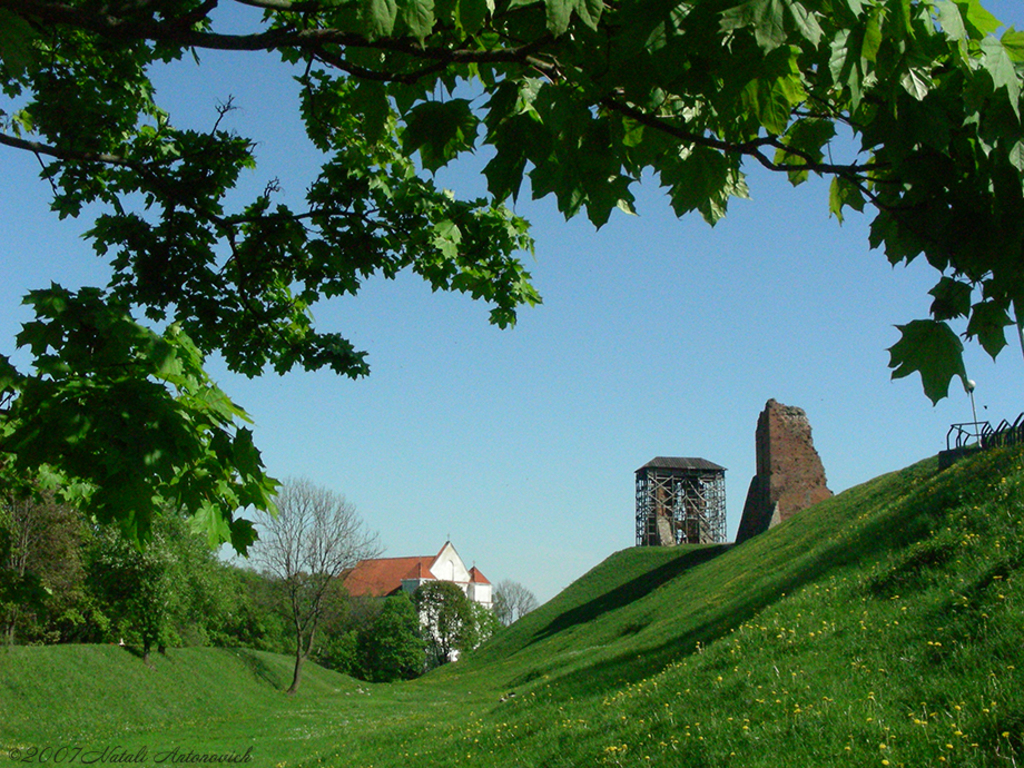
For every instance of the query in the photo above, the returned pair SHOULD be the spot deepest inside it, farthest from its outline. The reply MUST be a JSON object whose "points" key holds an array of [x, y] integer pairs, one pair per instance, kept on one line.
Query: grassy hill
{"points": [[882, 627]]}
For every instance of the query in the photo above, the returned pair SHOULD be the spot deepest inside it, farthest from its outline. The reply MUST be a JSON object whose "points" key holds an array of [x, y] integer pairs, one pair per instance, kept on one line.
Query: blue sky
{"points": [[657, 336]]}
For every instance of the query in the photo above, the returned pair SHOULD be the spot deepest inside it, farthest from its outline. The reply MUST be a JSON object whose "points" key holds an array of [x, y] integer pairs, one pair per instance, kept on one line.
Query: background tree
{"points": [[392, 647], [315, 535], [63, 580], [252, 616], [206, 601], [485, 624], [343, 630], [134, 585], [219, 606], [911, 109], [172, 592], [512, 601], [44, 540], [448, 620], [20, 589]]}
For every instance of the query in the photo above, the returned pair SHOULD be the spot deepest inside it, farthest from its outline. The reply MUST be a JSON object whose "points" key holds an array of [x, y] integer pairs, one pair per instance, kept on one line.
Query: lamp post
{"points": [[969, 386]]}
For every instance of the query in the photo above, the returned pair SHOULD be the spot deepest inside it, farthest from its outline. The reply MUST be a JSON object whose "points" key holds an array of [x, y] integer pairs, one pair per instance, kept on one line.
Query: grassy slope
{"points": [[883, 627], [77, 694]]}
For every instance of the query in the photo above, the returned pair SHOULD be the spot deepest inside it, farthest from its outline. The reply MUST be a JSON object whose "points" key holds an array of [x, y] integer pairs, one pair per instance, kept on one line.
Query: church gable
{"points": [[448, 566]]}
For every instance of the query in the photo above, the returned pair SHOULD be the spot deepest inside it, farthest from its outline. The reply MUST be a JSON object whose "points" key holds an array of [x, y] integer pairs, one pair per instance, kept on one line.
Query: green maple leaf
{"points": [[1013, 42], [930, 348], [16, 37], [987, 322], [952, 299], [418, 16]]}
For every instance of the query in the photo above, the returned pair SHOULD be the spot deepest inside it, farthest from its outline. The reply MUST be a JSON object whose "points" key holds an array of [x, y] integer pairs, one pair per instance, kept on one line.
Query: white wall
{"points": [[449, 566]]}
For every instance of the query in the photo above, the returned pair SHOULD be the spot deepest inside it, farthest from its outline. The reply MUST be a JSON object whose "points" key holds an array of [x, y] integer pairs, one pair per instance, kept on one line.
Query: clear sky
{"points": [[657, 336]]}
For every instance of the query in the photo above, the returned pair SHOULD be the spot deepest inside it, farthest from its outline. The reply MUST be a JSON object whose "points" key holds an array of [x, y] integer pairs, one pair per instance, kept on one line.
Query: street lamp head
{"points": [[969, 385]]}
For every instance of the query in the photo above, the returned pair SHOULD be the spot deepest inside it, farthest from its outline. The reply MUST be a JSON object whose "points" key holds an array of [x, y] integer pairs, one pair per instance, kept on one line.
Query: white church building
{"points": [[388, 576]]}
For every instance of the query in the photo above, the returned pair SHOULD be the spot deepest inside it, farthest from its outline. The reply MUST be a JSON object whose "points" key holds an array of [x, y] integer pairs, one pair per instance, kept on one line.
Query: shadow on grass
{"points": [[138, 653], [637, 663], [259, 668], [631, 591], [131, 650], [911, 515]]}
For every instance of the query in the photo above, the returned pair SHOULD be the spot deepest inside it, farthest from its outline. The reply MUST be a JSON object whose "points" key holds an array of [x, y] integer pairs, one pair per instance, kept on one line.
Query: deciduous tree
{"points": [[392, 647], [134, 587], [485, 624], [512, 601], [911, 109], [315, 535], [448, 620], [41, 573]]}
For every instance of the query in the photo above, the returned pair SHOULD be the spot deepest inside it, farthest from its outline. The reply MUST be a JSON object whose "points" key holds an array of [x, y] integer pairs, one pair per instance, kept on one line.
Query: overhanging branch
{"points": [[182, 31], [38, 148], [853, 171]]}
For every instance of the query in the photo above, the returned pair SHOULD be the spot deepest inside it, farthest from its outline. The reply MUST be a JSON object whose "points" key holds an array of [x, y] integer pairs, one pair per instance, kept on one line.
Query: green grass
{"points": [[87, 695], [882, 627]]}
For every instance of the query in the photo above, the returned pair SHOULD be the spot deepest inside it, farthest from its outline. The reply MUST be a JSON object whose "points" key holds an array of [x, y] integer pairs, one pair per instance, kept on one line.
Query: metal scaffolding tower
{"points": [[680, 501]]}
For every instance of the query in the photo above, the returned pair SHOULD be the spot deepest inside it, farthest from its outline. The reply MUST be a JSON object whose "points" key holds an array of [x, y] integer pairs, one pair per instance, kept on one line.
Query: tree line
{"points": [[66, 579]]}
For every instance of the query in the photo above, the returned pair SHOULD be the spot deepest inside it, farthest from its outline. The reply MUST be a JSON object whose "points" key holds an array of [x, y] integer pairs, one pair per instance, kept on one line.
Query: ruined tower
{"points": [[680, 501], [790, 476]]}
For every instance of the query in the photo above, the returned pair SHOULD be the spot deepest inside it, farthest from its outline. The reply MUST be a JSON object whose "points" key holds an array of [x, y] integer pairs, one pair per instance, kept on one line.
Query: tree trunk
{"points": [[299, 658], [301, 654]]}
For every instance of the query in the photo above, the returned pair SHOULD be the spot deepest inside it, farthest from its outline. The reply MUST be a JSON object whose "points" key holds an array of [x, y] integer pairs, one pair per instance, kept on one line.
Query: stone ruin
{"points": [[790, 476], [682, 500]]}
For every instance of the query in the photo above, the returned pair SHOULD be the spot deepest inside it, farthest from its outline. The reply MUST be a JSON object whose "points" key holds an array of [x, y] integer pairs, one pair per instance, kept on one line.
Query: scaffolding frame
{"points": [[680, 501]]}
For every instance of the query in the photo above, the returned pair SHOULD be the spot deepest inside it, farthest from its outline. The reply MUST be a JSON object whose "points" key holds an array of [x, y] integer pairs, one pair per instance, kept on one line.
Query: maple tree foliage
{"points": [[912, 108]]}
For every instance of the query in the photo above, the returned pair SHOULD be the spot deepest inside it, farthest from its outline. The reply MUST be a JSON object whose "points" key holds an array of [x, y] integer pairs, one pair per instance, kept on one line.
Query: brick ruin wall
{"points": [[790, 476]]}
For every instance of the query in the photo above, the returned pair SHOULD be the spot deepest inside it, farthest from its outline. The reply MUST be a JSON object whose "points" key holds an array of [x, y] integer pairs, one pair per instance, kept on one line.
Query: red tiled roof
{"points": [[476, 577], [378, 578]]}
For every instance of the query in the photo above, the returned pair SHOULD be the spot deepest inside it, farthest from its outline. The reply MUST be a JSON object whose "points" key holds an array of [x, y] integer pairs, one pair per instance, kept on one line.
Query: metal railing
{"points": [[983, 435], [1004, 434], [963, 435]]}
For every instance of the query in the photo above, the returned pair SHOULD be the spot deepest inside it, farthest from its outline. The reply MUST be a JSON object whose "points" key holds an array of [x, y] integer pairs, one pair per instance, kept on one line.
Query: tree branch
{"points": [[39, 148], [316, 42], [853, 171], [408, 78]]}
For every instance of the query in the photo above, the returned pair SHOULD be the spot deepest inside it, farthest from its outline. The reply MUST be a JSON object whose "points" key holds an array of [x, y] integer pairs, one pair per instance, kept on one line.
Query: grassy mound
{"points": [[67, 693], [882, 627]]}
